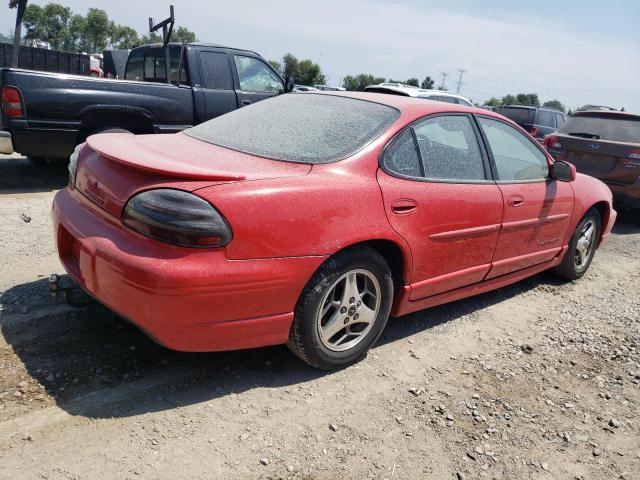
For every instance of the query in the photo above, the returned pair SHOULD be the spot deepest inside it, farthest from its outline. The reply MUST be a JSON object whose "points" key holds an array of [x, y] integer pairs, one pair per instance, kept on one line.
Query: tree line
{"points": [[524, 99], [93, 32]]}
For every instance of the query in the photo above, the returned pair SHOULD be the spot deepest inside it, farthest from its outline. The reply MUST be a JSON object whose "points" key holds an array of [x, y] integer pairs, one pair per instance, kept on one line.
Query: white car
{"points": [[410, 91]]}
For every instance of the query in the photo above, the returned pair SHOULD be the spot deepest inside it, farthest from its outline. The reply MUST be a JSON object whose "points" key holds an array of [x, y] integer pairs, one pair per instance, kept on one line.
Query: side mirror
{"points": [[289, 84], [563, 171]]}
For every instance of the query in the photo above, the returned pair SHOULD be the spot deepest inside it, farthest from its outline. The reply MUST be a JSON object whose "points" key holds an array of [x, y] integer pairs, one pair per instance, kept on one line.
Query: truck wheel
{"points": [[343, 309]]}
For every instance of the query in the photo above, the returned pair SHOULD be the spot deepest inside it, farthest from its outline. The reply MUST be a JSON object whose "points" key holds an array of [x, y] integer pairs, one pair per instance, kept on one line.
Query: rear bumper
{"points": [[185, 299], [627, 195], [6, 144]]}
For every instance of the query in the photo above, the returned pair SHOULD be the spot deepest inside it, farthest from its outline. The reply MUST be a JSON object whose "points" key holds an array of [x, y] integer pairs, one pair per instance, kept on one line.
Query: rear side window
{"points": [[545, 118], [603, 127], [559, 120], [441, 98], [518, 114], [515, 156], [401, 156], [216, 71], [148, 65]]}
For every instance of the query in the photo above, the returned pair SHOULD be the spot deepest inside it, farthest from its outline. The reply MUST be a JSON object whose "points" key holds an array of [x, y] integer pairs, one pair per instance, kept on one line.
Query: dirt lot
{"points": [[537, 380]]}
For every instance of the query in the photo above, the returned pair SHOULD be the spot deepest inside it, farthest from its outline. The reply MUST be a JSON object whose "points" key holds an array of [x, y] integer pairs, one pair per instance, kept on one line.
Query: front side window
{"points": [[255, 76], [449, 148], [444, 147], [516, 157]]}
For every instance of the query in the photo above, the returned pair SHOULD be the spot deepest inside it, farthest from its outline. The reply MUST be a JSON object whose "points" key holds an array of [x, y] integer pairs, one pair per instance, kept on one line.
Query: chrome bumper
{"points": [[6, 145]]}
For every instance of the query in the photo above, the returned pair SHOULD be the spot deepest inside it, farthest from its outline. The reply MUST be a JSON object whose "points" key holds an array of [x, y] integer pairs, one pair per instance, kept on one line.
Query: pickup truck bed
{"points": [[47, 114]]}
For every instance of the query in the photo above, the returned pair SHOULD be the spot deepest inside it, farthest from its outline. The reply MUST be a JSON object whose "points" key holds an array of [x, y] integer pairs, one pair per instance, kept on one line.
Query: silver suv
{"points": [[410, 91]]}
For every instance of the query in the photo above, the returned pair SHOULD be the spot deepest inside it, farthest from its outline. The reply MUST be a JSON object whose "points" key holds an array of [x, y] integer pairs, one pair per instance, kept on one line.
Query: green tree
{"points": [[554, 104], [428, 83], [123, 37], [493, 102], [509, 100], [277, 66], [414, 82], [290, 65], [361, 81], [76, 40], [56, 24], [183, 35], [97, 29], [33, 22], [528, 99], [151, 38]]}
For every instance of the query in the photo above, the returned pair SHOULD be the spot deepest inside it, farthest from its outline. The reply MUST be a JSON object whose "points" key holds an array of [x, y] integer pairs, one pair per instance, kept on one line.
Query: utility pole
{"points": [[20, 5], [461, 72], [444, 79]]}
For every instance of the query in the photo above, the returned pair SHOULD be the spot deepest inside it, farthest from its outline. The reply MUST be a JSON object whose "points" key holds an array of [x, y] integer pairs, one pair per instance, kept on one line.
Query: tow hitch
{"points": [[69, 294]]}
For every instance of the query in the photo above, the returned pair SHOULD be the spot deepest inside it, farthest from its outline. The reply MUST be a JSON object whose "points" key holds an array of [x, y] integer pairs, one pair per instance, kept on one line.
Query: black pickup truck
{"points": [[45, 115]]}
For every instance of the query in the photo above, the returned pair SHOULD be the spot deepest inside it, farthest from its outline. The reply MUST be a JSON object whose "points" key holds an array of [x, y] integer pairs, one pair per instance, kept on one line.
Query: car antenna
{"points": [[167, 29]]}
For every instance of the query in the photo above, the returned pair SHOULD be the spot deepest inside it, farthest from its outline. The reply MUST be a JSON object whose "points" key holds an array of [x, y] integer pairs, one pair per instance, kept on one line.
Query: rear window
{"points": [[311, 128], [545, 118], [518, 115], [603, 128]]}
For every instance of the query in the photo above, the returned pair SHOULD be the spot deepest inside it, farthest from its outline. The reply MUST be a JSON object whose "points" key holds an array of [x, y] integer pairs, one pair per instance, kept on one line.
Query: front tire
{"points": [[343, 309], [582, 247]]}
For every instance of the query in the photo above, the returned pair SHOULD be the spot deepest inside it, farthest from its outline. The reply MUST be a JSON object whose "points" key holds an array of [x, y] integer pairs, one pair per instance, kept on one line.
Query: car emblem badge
{"points": [[594, 146]]}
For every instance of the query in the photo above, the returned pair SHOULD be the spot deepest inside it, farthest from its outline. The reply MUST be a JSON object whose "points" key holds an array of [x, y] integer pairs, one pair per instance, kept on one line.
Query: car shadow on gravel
{"points": [[628, 222], [94, 364], [21, 175]]}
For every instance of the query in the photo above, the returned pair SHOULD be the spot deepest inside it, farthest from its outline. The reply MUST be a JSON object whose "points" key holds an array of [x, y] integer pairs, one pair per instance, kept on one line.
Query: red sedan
{"points": [[308, 219]]}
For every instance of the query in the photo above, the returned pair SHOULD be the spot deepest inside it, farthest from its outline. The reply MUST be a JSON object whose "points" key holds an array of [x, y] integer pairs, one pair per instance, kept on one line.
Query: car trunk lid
{"points": [[117, 165], [606, 160]]}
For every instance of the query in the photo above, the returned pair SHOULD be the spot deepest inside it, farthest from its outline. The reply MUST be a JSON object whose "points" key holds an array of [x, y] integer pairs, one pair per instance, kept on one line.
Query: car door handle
{"points": [[404, 206], [515, 201], [246, 102]]}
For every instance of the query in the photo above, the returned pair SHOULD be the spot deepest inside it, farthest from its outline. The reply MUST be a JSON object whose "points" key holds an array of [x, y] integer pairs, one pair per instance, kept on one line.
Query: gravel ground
{"points": [[537, 380]]}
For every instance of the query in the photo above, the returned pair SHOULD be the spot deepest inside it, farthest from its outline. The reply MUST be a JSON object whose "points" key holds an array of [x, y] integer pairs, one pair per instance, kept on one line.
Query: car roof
{"points": [[198, 44], [531, 107], [413, 106], [607, 114]]}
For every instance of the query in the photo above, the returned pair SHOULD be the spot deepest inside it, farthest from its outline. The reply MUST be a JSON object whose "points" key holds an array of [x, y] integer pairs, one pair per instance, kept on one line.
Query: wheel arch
{"points": [[101, 117], [397, 258], [604, 209]]}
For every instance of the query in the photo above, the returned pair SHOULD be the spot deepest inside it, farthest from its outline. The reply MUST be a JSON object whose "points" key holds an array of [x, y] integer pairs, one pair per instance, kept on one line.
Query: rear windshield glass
{"points": [[306, 127], [518, 115], [603, 128]]}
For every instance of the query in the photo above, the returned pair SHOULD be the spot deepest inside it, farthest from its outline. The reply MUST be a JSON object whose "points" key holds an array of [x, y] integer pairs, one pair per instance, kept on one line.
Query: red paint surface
{"points": [[456, 240]]}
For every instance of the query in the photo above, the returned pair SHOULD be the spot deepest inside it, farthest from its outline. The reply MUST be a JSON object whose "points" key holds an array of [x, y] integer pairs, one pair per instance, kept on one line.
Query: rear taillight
{"points": [[176, 217], [12, 102], [533, 131], [73, 165], [551, 141], [635, 155]]}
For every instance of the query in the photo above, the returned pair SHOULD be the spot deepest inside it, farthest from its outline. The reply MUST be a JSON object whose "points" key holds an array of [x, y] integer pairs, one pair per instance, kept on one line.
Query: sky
{"points": [[579, 52]]}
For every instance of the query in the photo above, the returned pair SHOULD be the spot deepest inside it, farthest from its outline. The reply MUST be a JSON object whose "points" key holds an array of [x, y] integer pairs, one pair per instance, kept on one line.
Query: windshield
{"points": [[518, 115], [604, 127], [306, 128]]}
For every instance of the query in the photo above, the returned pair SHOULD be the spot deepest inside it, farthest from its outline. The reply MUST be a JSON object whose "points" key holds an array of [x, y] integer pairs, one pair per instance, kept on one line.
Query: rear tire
{"points": [[582, 247], [343, 309]]}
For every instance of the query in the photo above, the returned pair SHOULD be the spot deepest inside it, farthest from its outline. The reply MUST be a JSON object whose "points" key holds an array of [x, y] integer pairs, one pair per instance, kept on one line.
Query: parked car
{"points": [[411, 91], [304, 88], [603, 144], [308, 219], [47, 114], [538, 121]]}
